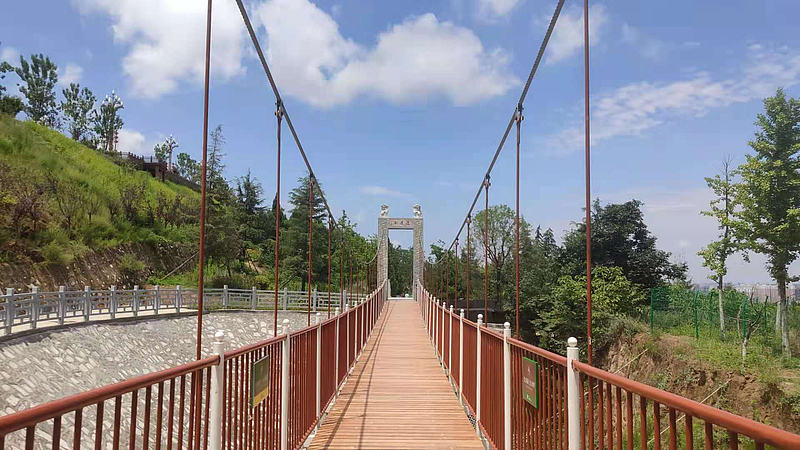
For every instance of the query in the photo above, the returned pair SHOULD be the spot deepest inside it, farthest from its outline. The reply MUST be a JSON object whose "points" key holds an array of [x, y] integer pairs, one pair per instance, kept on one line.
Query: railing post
{"points": [[87, 303], [178, 298], [113, 305], [461, 357], [36, 306], [478, 369], [62, 304], [450, 350], [435, 330], [363, 324], [319, 363], [316, 299], [285, 387], [225, 296], [217, 390], [444, 308], [285, 298], [157, 299], [136, 300], [573, 396], [507, 385], [253, 298], [336, 359], [9, 310]]}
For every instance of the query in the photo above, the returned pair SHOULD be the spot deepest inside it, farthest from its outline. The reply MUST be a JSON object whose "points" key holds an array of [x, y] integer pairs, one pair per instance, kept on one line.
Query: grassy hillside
{"points": [[60, 199]]}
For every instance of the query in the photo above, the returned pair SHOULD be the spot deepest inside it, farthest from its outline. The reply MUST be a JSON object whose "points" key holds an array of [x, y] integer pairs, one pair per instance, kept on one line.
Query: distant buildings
{"points": [[763, 291]]}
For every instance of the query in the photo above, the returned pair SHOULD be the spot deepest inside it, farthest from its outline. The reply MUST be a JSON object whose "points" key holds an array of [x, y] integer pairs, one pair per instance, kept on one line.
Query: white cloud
{"points": [[493, 9], [567, 36], [9, 55], [637, 107], [166, 41], [649, 48], [380, 191], [131, 141], [691, 44], [412, 61], [71, 73]]}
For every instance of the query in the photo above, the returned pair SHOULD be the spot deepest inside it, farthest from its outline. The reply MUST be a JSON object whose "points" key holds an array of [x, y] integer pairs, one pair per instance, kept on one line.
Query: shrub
{"points": [[56, 254], [131, 269]]}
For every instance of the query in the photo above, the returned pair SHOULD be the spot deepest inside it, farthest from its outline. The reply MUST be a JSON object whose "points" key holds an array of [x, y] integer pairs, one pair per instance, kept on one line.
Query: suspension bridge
{"points": [[373, 372]]}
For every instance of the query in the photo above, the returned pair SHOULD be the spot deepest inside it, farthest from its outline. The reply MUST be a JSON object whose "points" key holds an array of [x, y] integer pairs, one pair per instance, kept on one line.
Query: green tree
{"points": [[188, 168], [401, 266], [715, 254], [501, 245], [39, 78], [620, 238], [769, 195], [295, 238], [107, 122], [214, 165], [612, 295], [77, 105]]}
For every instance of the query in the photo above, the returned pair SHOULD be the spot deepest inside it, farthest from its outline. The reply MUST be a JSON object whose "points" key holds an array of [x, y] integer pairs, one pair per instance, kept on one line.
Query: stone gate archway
{"points": [[386, 223]]}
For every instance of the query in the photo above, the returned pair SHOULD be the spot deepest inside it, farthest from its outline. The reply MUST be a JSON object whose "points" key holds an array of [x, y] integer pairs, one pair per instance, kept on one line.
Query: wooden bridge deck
{"points": [[397, 395]]}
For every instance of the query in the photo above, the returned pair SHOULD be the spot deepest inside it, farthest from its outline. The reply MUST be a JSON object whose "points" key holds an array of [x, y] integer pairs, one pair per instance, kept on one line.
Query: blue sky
{"points": [[405, 102]]}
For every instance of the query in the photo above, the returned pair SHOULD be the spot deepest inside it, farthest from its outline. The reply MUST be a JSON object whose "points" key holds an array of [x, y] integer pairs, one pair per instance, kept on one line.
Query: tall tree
{"points": [[107, 122], [715, 255], [620, 238], [501, 240], [188, 168], [296, 239], [214, 165], [769, 194], [77, 105], [39, 78]]}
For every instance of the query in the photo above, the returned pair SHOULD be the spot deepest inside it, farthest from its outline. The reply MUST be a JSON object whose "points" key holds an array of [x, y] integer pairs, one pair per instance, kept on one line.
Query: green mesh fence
{"points": [[697, 313]]}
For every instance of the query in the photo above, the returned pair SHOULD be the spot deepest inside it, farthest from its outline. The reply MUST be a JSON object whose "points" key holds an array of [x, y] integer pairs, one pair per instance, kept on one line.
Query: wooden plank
{"points": [[397, 395]]}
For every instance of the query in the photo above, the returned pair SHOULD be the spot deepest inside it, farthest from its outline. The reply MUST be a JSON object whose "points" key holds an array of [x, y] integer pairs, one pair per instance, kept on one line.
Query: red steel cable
{"points": [[486, 256], [588, 182], [278, 115], [310, 240]]}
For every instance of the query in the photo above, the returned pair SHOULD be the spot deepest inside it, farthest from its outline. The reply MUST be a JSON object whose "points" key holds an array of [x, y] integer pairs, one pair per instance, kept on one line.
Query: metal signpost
{"points": [[259, 381], [530, 381]]}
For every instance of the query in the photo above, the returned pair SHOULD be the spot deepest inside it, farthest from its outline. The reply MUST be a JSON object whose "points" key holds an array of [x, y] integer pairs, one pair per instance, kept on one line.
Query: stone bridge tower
{"points": [[386, 223]]}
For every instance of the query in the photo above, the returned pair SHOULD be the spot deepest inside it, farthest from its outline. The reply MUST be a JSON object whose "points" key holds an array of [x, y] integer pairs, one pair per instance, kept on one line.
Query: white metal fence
{"points": [[32, 308]]}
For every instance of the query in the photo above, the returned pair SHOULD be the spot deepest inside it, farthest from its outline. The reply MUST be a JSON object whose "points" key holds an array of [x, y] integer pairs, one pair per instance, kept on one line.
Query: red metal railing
{"points": [[240, 425], [492, 401], [159, 410], [446, 339], [328, 379], [343, 364], [545, 426], [351, 326], [163, 399], [614, 425], [470, 364], [303, 385], [610, 415], [455, 325]]}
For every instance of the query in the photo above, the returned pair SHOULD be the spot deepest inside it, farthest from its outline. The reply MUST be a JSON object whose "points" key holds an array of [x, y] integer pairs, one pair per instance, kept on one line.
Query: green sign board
{"points": [[530, 381], [259, 381]]}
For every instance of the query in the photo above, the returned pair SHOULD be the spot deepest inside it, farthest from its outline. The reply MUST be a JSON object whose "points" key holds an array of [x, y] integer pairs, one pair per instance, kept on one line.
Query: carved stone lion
{"points": [[384, 211], [417, 211]]}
